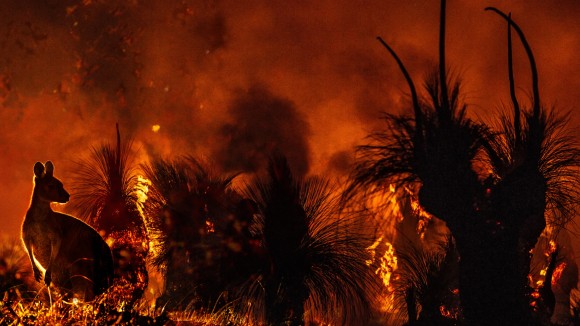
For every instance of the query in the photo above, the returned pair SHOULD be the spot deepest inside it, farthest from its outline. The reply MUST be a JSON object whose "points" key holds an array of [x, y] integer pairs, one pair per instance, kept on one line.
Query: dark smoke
{"points": [[341, 162], [71, 69], [262, 124]]}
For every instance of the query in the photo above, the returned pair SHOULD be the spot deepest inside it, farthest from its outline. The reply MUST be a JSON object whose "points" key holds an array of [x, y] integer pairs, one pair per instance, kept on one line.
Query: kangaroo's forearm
{"points": [[54, 249], [29, 249]]}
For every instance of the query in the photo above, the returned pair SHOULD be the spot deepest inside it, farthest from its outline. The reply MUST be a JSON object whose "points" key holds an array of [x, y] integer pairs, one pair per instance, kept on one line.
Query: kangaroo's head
{"points": [[47, 187]]}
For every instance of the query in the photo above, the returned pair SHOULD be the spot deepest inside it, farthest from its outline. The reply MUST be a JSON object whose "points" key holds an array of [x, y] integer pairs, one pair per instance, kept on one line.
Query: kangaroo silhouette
{"points": [[74, 256]]}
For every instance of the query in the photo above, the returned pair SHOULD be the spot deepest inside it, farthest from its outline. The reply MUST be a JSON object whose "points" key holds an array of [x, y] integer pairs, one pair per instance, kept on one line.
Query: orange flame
{"points": [[447, 313], [423, 217], [558, 273], [386, 266], [551, 249], [209, 226], [395, 204]]}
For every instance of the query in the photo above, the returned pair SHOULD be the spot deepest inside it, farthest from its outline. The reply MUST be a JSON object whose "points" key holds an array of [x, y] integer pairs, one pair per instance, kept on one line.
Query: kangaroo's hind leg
{"points": [[82, 274]]}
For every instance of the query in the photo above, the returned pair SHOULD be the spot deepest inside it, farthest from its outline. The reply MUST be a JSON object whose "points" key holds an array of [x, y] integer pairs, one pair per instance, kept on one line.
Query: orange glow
{"points": [[552, 248], [209, 226], [140, 191], [385, 265], [372, 249], [423, 217], [388, 265], [448, 313], [558, 273], [60, 92], [395, 204], [66, 81]]}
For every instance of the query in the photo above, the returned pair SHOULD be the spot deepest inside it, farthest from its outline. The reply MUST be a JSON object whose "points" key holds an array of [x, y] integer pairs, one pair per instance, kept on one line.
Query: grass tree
{"points": [[104, 195], [495, 219], [428, 279], [198, 225], [315, 268]]}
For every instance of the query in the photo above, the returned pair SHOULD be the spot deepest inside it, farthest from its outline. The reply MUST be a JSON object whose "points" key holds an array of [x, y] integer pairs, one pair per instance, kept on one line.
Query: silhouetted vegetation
{"points": [[495, 219], [197, 223], [104, 190], [315, 257], [275, 247], [428, 283]]}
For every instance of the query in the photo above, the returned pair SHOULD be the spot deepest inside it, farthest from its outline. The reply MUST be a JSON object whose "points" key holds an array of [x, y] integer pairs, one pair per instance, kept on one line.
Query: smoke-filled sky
{"points": [[233, 80]]}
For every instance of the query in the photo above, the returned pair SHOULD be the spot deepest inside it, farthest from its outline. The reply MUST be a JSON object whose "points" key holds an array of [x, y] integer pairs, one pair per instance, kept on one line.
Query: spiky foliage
{"points": [[442, 158], [103, 187], [188, 213], [537, 149], [184, 193], [428, 279], [536, 163], [316, 257], [14, 271], [435, 156], [497, 221], [435, 147], [557, 164]]}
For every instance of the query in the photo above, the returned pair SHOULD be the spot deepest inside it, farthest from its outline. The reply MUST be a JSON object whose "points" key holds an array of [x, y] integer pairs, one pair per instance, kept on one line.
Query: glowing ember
{"points": [[387, 263], [140, 192], [423, 217], [558, 273], [395, 204], [448, 313], [209, 226], [141, 189], [551, 249], [372, 249], [155, 128]]}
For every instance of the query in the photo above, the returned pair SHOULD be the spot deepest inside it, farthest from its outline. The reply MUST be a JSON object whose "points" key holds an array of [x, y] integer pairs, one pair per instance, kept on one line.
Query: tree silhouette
{"points": [[428, 278], [103, 188], [495, 219], [14, 271], [190, 212], [316, 259]]}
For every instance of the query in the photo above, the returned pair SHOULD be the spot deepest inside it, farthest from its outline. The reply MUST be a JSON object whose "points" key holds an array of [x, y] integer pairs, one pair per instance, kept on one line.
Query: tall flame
{"points": [[140, 191]]}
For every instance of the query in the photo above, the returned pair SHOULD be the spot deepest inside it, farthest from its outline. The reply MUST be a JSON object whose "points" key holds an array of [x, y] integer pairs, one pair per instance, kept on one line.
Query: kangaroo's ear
{"points": [[49, 168], [38, 169]]}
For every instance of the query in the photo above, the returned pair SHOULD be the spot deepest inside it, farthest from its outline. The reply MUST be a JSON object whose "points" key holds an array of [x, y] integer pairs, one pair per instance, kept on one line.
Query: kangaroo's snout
{"points": [[64, 196]]}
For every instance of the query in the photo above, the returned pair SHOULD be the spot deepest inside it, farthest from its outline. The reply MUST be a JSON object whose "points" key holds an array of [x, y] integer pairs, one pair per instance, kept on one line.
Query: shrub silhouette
{"points": [[191, 213], [495, 219], [14, 271], [315, 257], [103, 187]]}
